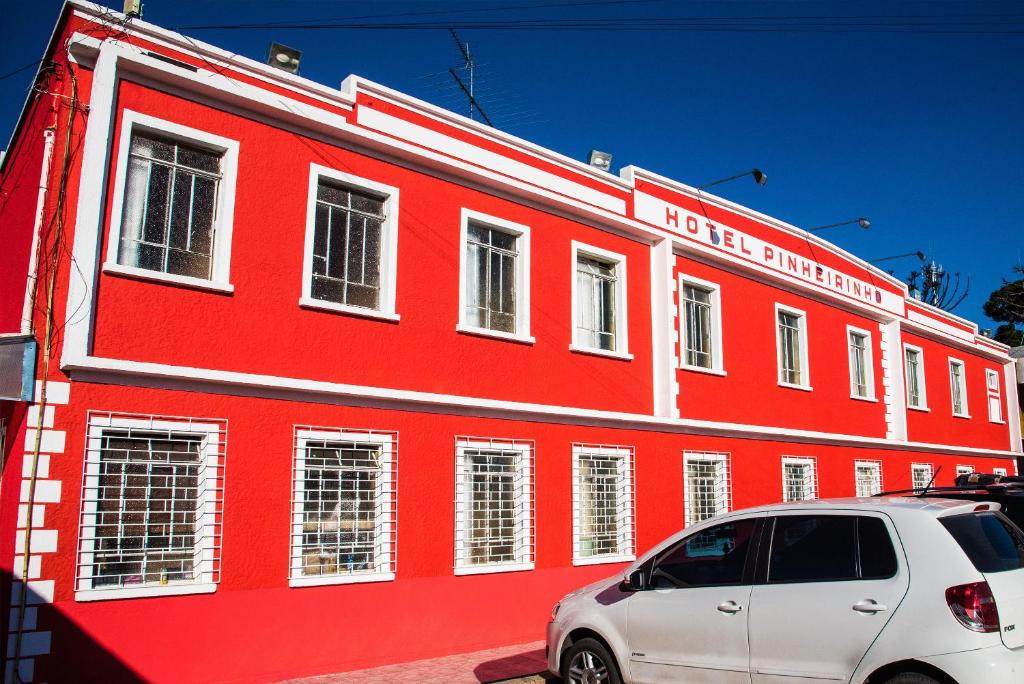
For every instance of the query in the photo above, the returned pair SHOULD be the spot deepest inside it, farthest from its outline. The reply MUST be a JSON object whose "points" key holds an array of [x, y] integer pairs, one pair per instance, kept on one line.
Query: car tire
{"points": [[911, 678], [588, 662]]}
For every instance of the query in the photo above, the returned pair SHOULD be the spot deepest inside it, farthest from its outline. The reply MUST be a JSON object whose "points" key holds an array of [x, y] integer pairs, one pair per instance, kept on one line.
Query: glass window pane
{"points": [[713, 557], [877, 556], [807, 548]]}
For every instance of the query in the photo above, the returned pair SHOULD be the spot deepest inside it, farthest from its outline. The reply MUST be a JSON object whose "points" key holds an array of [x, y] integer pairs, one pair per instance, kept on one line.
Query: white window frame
{"points": [[923, 405], [1000, 471], [964, 469], [224, 213], [717, 358], [921, 466], [387, 509], [805, 366], [994, 394], [867, 463], [626, 506], [209, 506], [723, 486], [525, 530], [522, 234], [618, 261], [869, 364], [388, 249], [809, 461], [963, 413]]}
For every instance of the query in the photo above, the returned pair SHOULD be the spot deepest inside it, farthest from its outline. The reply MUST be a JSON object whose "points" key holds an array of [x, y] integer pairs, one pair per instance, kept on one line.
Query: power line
{"points": [[20, 69]]}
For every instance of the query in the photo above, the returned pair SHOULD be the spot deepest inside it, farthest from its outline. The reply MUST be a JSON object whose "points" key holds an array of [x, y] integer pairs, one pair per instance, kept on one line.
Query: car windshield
{"points": [[992, 542]]}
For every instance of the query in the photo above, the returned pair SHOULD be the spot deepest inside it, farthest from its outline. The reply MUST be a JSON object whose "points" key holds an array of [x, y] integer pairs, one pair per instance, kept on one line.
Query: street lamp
{"points": [[760, 177], [919, 255], [862, 222]]}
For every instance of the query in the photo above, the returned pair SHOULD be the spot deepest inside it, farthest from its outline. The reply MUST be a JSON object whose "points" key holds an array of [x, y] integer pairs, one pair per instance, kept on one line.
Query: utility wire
{"points": [[20, 69]]}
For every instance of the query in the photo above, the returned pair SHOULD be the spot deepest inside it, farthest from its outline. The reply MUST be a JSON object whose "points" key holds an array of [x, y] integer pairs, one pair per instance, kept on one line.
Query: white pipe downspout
{"points": [[33, 261]]}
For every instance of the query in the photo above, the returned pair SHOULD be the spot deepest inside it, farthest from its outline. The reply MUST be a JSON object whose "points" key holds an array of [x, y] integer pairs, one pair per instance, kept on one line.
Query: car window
{"points": [[992, 542], [715, 556], [877, 556], [813, 548]]}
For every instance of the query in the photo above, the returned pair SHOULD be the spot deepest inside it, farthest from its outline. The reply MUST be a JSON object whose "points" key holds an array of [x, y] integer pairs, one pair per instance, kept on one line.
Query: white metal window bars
{"points": [[920, 475], [603, 502], [868, 477], [994, 396], [999, 471], [791, 363], [347, 245], [799, 478], [915, 384], [494, 504], [170, 205], [491, 272], [858, 365], [707, 485], [698, 322], [152, 504], [596, 318], [344, 506], [957, 387], [964, 469]]}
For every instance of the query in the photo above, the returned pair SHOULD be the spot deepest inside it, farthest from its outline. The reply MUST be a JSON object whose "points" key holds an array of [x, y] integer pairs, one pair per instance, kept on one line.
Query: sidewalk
{"points": [[518, 663]]}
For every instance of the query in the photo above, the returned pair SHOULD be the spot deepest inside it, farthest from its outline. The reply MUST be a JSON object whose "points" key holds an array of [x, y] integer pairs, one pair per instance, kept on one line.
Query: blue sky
{"points": [[919, 132]]}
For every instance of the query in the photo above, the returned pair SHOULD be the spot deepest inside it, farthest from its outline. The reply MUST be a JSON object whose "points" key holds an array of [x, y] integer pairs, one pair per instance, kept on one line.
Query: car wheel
{"points": [[911, 678], [589, 662]]}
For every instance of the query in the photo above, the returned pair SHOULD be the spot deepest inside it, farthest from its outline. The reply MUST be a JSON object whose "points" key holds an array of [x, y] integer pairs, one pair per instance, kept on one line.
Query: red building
{"points": [[329, 377]]}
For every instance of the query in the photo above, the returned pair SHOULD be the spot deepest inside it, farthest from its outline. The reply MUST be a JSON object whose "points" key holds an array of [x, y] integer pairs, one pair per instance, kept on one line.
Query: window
{"points": [[344, 511], [799, 479], [958, 388], [602, 503], [862, 385], [599, 301], [151, 506], [989, 540], [700, 325], [351, 245], [173, 203], [494, 505], [791, 340], [999, 471], [830, 548], [868, 477], [964, 470], [920, 475], [706, 483], [914, 361], [716, 556], [495, 292], [993, 393]]}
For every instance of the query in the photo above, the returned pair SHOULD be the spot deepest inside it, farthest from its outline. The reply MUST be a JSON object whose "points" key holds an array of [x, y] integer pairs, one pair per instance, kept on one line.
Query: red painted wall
{"points": [[750, 393], [938, 424]]}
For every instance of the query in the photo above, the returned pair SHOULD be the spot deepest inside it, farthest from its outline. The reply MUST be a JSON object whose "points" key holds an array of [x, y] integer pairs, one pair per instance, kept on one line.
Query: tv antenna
{"points": [[470, 68]]}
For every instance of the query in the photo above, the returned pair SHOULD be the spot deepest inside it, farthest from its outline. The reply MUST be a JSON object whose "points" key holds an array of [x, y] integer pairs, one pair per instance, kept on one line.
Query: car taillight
{"points": [[974, 607]]}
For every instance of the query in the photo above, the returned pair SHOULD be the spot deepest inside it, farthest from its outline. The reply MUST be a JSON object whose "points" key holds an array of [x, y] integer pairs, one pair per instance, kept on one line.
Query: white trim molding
{"points": [[869, 363], [611, 472], [714, 291], [922, 395], [620, 305], [804, 362], [958, 385]]}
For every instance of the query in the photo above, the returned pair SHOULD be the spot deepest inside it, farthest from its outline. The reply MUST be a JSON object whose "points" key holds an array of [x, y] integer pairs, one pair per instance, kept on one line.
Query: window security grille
{"points": [[995, 401], [957, 387], [964, 469], [494, 503], [920, 475], [491, 278], [603, 509], [697, 311], [169, 207], [707, 488], [596, 282], [799, 479], [347, 246], [344, 505], [999, 471], [859, 365], [790, 363], [915, 396], [152, 502], [868, 477]]}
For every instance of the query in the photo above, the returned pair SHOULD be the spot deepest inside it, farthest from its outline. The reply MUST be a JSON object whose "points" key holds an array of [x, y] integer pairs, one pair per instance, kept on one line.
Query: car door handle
{"points": [[869, 606], [730, 607]]}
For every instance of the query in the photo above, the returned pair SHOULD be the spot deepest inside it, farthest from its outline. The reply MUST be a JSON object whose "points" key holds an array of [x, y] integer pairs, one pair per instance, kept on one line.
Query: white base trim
{"points": [[623, 356], [599, 560], [492, 568], [310, 303], [144, 592], [354, 578], [160, 276], [498, 334]]}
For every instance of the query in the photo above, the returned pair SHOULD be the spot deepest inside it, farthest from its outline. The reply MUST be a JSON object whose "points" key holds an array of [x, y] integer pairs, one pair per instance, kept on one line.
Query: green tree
{"points": [[1006, 306]]}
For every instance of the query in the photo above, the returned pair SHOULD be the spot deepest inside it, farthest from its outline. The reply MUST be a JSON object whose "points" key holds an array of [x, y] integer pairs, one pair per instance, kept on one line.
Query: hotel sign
{"points": [[741, 246]]}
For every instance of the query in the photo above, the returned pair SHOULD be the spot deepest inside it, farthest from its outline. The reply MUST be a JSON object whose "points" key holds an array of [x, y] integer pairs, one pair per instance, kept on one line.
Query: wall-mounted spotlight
{"points": [[601, 160], [862, 222], [284, 58], [760, 177]]}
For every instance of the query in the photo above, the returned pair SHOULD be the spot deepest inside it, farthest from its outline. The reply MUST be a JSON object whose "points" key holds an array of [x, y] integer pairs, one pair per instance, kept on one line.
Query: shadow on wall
{"points": [[46, 636]]}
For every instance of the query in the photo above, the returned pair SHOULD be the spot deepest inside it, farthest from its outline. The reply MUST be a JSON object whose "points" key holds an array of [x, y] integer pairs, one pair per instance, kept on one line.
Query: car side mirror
{"points": [[634, 581]]}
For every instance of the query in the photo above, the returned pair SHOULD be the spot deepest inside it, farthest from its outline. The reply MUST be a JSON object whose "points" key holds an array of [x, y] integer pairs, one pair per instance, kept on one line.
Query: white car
{"points": [[882, 590]]}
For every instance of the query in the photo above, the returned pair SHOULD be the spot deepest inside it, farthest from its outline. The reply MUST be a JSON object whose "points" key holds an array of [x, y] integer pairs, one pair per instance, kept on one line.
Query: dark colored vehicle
{"points": [[1006, 490]]}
